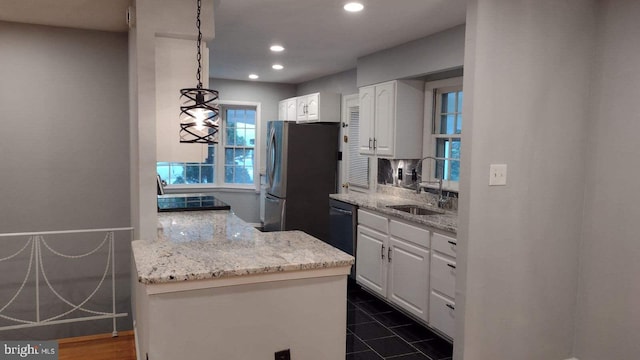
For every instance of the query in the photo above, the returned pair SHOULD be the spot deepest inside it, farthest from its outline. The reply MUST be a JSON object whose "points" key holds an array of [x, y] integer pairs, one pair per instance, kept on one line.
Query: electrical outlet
{"points": [[283, 355], [497, 174]]}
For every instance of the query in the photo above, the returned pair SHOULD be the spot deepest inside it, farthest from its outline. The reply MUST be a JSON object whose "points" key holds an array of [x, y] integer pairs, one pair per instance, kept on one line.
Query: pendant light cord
{"points": [[199, 56]]}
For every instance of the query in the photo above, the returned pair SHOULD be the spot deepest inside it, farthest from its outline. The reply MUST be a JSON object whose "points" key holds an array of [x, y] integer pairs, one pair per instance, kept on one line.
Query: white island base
{"points": [[244, 318]]}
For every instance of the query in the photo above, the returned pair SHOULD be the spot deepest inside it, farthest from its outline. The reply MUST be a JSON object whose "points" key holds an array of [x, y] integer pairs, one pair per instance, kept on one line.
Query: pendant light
{"points": [[199, 121]]}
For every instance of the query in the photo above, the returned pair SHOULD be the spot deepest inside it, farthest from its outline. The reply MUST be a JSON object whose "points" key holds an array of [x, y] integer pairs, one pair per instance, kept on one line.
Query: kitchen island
{"points": [[211, 286]]}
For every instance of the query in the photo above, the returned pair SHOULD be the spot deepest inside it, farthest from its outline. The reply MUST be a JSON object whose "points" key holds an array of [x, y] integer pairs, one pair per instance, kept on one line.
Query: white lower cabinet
{"points": [[410, 266], [443, 284], [408, 275], [393, 262], [371, 270]]}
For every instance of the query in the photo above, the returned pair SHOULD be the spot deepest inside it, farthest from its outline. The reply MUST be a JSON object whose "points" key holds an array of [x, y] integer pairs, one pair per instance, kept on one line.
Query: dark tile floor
{"points": [[377, 331]]}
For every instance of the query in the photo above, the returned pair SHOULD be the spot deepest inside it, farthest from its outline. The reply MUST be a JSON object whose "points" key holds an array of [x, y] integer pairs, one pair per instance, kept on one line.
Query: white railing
{"points": [[35, 243]]}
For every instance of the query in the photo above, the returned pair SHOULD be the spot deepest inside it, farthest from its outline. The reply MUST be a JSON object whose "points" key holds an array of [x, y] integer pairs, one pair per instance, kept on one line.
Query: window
{"points": [[239, 144], [446, 130], [230, 162]]}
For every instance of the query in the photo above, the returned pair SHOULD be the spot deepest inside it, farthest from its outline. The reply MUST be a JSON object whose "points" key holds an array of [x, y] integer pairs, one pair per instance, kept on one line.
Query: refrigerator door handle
{"points": [[271, 163]]}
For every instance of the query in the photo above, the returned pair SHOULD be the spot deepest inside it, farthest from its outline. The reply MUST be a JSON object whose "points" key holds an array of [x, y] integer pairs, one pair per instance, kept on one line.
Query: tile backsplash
{"points": [[389, 183]]}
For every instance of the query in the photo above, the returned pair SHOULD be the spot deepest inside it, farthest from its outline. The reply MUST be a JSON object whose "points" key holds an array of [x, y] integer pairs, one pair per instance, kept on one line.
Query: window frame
{"points": [[432, 91], [218, 164]]}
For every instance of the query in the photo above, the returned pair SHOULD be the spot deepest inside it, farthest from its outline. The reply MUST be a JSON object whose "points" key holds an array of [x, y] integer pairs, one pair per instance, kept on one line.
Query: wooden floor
{"points": [[98, 347]]}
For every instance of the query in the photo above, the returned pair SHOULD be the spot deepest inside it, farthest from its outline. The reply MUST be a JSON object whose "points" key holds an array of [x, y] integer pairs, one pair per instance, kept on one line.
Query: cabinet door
{"points": [[301, 113], [292, 106], [371, 271], [282, 110], [443, 274], [313, 106], [367, 121], [408, 285], [442, 314], [385, 117]]}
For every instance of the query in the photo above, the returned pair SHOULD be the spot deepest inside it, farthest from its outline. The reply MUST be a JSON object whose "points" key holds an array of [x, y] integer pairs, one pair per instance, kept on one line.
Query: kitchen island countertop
{"points": [[203, 245]]}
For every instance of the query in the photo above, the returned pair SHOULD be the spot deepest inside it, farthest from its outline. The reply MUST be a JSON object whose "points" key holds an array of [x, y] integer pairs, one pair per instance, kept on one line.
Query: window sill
{"points": [[195, 188]]}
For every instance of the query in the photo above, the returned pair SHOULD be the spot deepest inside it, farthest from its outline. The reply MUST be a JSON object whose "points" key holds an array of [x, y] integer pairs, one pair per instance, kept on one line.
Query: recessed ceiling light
{"points": [[253, 76], [276, 48], [277, 67], [353, 6]]}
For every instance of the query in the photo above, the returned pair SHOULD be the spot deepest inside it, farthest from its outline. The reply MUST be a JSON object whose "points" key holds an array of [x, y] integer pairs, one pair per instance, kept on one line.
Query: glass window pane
{"points": [[459, 124], [163, 170], [455, 170], [455, 148], [250, 118], [448, 102], [240, 137], [439, 169], [459, 101], [228, 174], [251, 137], [447, 123], [441, 145], [228, 156], [206, 174], [176, 175], [192, 173], [211, 151]]}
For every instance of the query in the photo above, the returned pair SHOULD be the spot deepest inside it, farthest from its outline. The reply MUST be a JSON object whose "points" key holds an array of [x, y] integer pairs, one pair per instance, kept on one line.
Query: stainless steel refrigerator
{"points": [[302, 164]]}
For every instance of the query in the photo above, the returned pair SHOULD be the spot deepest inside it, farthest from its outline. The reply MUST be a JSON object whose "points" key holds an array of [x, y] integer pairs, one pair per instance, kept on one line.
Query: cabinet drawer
{"points": [[444, 244], [414, 234], [442, 314], [373, 221], [443, 275]]}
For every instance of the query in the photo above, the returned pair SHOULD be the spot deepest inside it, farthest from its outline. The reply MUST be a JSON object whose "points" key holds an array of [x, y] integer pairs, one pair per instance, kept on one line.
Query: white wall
{"points": [[527, 69], [343, 83], [608, 317], [64, 164], [166, 18], [64, 140], [431, 54]]}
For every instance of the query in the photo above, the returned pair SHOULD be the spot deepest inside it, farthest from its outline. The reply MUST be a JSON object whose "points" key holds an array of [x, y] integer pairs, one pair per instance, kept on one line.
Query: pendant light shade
{"points": [[199, 120]]}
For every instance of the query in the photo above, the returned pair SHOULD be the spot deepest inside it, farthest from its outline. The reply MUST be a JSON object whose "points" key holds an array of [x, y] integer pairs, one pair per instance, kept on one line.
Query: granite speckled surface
{"points": [[202, 245], [447, 221]]}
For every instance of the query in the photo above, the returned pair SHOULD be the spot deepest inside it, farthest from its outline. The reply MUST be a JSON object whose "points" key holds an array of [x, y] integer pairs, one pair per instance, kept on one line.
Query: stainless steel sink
{"points": [[414, 209]]}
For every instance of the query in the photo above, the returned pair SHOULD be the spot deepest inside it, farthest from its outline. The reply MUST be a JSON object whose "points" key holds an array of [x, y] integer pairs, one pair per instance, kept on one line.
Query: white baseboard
{"points": [[572, 359], [135, 338]]}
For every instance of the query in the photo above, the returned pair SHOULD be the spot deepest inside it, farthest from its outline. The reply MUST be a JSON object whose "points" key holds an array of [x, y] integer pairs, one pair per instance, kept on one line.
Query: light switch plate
{"points": [[497, 174]]}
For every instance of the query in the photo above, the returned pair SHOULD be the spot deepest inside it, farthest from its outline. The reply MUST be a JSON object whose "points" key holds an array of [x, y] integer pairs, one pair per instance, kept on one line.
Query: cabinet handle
{"points": [[451, 306], [389, 254], [452, 243], [369, 143], [382, 252], [375, 143], [451, 266]]}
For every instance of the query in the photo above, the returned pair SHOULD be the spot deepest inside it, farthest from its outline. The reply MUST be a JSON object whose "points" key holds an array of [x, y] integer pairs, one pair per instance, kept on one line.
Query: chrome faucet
{"points": [[441, 199]]}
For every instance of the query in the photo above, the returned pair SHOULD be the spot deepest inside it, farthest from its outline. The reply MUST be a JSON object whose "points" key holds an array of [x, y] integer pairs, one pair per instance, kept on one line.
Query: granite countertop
{"points": [[202, 245], [447, 221]]}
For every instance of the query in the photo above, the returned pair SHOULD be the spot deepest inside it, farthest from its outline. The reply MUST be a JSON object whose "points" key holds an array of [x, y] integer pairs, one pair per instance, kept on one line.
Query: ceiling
{"points": [[319, 36]]}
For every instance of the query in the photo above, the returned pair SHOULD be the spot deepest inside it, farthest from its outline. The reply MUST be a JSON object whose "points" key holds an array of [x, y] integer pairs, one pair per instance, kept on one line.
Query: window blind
{"points": [[358, 164]]}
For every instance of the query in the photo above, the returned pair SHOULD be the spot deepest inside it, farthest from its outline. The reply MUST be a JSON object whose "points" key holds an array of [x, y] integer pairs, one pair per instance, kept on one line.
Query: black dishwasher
{"points": [[343, 222]]}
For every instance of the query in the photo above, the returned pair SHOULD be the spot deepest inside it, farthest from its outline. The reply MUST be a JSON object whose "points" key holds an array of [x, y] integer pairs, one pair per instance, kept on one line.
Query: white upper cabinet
{"points": [[366, 136], [290, 113], [282, 110], [287, 109], [317, 107], [391, 116]]}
